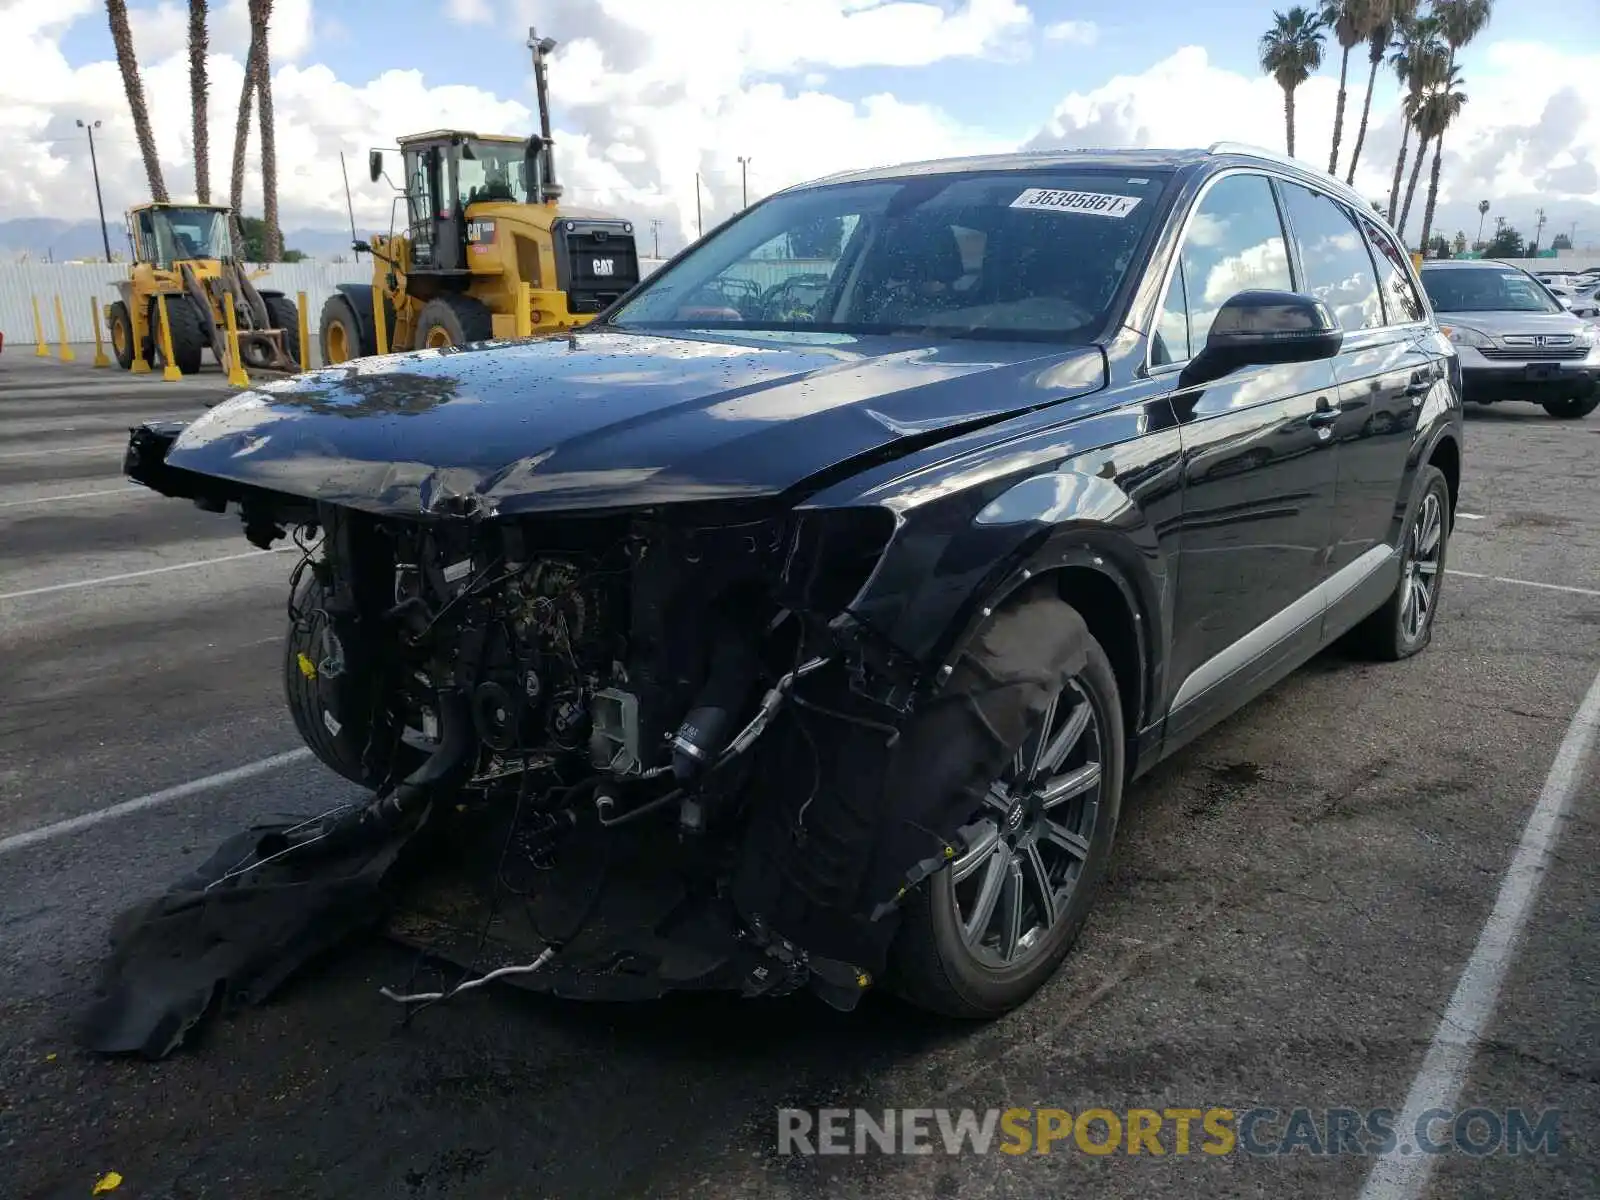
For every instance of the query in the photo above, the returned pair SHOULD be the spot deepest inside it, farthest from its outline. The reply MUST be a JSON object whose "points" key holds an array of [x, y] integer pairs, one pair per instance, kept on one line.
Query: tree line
{"points": [[257, 87], [1420, 44]]}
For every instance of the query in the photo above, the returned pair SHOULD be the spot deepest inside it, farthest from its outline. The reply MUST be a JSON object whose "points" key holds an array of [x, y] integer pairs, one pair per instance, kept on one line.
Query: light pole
{"points": [[744, 182], [94, 164], [699, 226], [655, 231]]}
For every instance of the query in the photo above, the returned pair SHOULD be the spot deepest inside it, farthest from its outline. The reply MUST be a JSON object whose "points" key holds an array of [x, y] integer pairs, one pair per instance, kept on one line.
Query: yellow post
{"points": [[140, 366], [41, 350], [169, 368], [100, 359], [305, 331], [379, 323], [524, 310], [236, 375], [61, 331]]}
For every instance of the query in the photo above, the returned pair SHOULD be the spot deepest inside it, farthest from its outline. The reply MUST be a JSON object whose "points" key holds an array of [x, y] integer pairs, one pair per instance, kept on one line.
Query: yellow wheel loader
{"points": [[481, 220], [185, 253]]}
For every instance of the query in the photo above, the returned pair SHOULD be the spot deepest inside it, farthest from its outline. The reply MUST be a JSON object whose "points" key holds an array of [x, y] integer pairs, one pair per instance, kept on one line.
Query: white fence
{"points": [[76, 283]]}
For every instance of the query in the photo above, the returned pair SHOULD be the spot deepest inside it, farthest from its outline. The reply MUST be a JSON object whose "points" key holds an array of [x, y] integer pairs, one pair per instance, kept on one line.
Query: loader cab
{"points": [[165, 234], [445, 172]]}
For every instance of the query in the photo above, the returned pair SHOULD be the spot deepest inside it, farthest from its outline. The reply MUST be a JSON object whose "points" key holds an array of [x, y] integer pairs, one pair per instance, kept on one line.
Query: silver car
{"points": [[1514, 340]]}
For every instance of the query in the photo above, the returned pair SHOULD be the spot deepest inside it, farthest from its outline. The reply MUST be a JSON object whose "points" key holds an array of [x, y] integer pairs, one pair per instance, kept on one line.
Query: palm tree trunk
{"points": [[1399, 171], [1288, 117], [241, 140], [1411, 186], [197, 100], [128, 63], [271, 236], [1338, 114], [1361, 133], [1433, 192]]}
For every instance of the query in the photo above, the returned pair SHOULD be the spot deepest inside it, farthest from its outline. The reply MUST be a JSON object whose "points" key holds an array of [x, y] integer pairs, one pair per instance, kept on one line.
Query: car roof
{"points": [[1466, 264], [1219, 154]]}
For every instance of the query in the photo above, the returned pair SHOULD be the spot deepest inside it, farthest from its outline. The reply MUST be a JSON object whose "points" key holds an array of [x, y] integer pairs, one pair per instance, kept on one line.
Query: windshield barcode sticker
{"points": [[1096, 204]]}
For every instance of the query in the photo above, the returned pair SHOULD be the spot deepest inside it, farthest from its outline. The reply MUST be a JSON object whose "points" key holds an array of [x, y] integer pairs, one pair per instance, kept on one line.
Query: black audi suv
{"points": [[802, 620]]}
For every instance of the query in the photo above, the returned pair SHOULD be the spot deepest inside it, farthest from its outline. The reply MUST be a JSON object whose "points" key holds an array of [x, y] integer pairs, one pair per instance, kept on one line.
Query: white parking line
{"points": [[1533, 583], [120, 491], [45, 833], [183, 566], [80, 448], [1404, 1176]]}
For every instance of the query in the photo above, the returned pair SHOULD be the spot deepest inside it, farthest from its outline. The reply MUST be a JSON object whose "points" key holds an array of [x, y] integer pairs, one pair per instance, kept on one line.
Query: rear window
{"points": [[1011, 255]]}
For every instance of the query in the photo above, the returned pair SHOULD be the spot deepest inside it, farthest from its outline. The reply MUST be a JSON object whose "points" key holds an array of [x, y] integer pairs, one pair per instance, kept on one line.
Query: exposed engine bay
{"points": [[604, 752]]}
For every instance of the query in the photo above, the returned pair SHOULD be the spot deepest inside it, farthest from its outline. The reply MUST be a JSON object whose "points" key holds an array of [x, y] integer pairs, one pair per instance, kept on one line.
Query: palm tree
{"points": [[1419, 56], [1460, 21], [1351, 22], [1441, 107], [1411, 107], [241, 133], [271, 238], [1385, 15], [1289, 52], [197, 100], [128, 63], [1483, 211]]}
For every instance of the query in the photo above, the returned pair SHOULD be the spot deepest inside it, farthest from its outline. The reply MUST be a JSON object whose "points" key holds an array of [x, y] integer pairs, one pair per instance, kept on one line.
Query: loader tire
{"points": [[339, 334], [335, 728], [121, 327], [282, 314], [189, 339], [453, 321]]}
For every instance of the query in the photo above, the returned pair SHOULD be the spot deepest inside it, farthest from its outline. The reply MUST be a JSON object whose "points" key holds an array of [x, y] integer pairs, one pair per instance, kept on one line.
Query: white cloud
{"points": [[646, 99], [471, 12], [1080, 33]]}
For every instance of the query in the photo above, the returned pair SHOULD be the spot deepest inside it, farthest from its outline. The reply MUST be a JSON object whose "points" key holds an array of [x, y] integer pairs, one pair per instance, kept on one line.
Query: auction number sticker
{"points": [[1097, 204]]}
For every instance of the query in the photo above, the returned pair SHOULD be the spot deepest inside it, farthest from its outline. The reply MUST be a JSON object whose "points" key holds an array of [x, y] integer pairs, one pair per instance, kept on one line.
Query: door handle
{"points": [[1325, 414]]}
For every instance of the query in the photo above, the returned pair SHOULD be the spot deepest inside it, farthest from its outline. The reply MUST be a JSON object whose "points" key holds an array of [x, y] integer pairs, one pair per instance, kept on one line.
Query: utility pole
{"points": [[94, 164], [655, 232], [744, 181], [1538, 233], [699, 226]]}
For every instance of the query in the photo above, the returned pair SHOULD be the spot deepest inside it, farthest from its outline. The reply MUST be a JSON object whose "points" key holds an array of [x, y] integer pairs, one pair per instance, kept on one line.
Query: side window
{"points": [[1338, 268], [1400, 299], [1172, 324], [1235, 243]]}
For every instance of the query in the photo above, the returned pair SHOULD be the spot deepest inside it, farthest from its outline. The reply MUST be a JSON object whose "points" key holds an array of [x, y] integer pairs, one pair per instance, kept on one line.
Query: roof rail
{"points": [[1253, 151]]}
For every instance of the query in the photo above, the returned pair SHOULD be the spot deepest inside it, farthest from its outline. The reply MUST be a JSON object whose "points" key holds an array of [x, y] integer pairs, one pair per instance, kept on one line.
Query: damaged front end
{"points": [[611, 755]]}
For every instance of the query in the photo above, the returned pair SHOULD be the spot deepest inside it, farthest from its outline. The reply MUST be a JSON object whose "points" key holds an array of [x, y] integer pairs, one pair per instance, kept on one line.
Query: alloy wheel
{"points": [[1024, 853], [1424, 549]]}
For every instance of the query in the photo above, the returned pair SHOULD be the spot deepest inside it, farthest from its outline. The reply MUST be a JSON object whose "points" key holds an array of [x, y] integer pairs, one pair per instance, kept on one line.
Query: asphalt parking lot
{"points": [[1292, 903]]}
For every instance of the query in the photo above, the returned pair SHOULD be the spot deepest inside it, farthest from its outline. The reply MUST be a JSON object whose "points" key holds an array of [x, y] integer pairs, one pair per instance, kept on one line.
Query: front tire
{"points": [[1574, 408], [282, 314], [453, 321], [1404, 625], [340, 333], [984, 933], [121, 327], [189, 341]]}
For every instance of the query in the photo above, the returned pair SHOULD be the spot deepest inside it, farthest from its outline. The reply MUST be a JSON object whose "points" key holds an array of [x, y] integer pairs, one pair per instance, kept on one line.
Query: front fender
{"points": [[1102, 492]]}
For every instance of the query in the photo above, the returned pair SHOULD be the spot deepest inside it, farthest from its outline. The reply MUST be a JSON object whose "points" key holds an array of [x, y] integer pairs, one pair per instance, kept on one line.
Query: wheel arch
{"points": [[1446, 455]]}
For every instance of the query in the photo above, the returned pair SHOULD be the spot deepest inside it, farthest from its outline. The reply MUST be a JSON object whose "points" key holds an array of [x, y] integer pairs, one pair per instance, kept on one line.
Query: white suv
{"points": [[1515, 341]]}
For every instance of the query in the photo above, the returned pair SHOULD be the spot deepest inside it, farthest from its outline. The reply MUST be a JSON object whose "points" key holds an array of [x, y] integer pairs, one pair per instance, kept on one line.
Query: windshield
{"points": [[496, 171], [1474, 290], [171, 234], [1014, 254]]}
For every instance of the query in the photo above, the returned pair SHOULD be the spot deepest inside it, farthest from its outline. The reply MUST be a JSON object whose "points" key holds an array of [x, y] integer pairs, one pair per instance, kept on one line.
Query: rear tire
{"points": [[189, 341], [284, 315], [121, 329], [1572, 409], [1392, 632], [453, 321], [935, 965]]}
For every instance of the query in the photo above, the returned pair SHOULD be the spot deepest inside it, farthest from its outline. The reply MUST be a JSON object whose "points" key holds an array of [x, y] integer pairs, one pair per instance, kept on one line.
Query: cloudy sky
{"points": [[648, 92]]}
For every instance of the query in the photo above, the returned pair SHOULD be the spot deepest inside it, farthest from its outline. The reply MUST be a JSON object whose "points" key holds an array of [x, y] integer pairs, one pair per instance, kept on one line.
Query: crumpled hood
{"points": [[610, 419]]}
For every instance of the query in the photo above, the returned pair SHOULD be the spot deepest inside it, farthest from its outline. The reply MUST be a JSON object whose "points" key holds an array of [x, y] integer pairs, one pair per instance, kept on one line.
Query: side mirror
{"points": [[1258, 328], [375, 164]]}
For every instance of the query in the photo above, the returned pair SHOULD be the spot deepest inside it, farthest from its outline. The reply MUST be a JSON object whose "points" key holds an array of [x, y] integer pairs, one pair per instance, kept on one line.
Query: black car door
{"points": [[1384, 374], [1258, 470]]}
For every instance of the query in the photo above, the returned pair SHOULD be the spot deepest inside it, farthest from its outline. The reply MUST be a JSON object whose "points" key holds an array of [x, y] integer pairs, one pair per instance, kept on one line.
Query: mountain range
{"points": [[46, 239]]}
